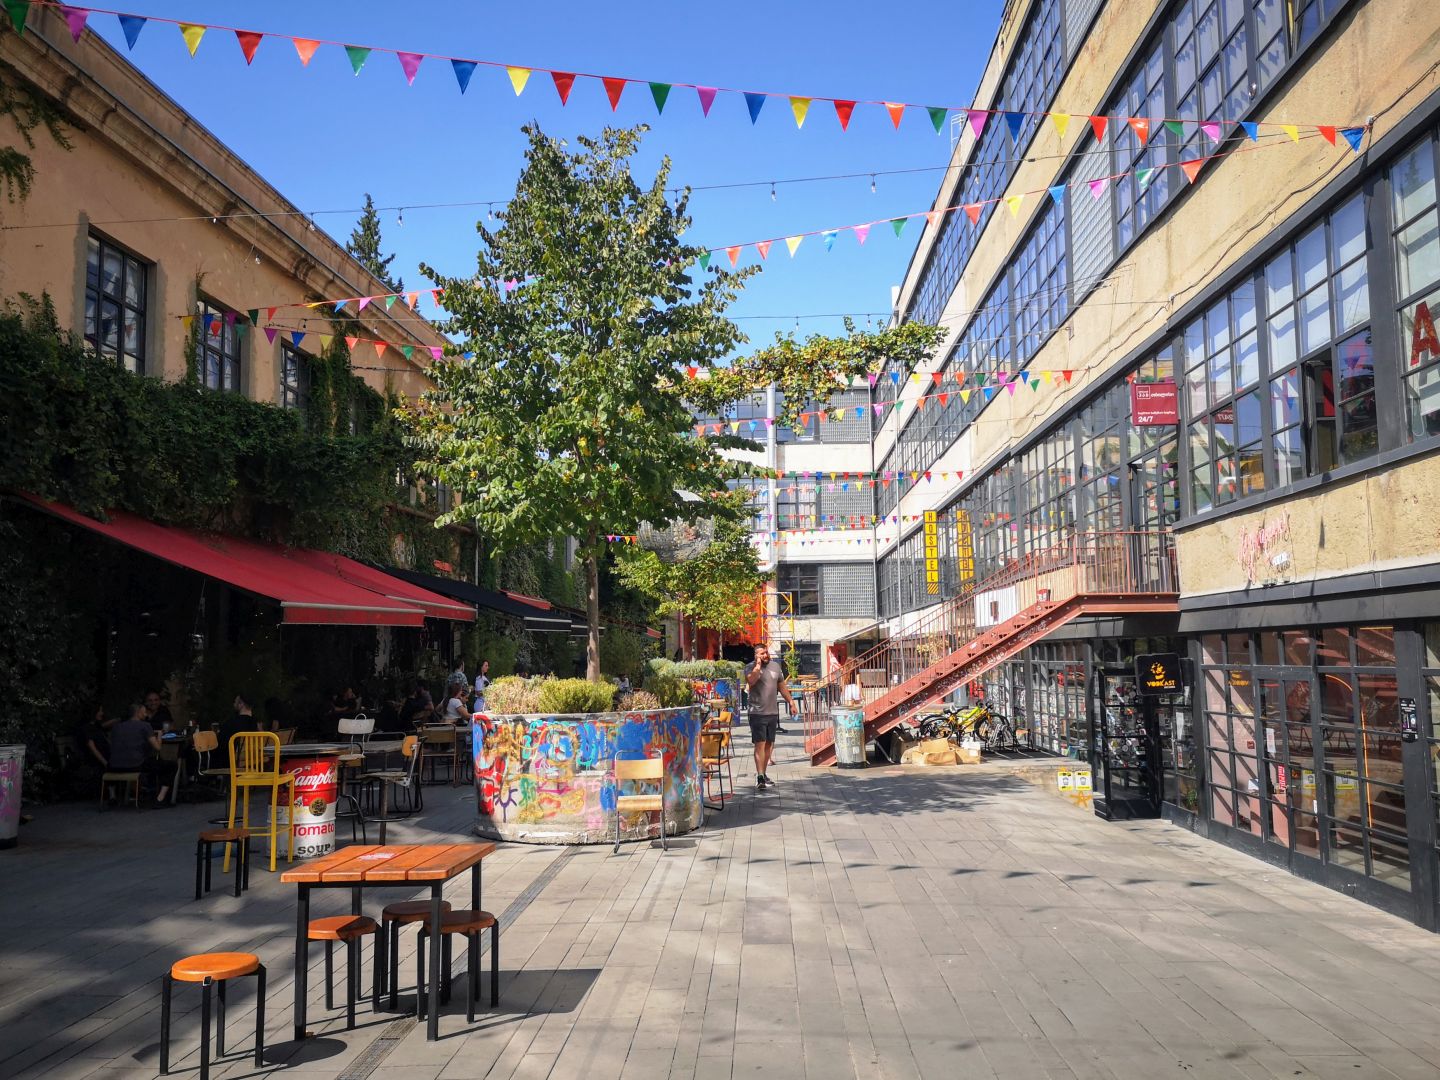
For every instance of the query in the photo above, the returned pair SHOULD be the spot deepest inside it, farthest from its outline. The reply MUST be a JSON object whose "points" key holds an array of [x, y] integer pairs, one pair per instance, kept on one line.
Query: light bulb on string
{"points": [[872, 183], [773, 196], [400, 217]]}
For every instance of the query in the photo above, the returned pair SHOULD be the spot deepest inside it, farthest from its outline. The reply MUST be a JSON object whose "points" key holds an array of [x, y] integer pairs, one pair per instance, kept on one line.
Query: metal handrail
{"points": [[1111, 562]]}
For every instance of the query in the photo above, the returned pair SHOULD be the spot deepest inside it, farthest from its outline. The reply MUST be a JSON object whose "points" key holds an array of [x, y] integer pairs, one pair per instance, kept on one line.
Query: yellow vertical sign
{"points": [[932, 554], [964, 546]]}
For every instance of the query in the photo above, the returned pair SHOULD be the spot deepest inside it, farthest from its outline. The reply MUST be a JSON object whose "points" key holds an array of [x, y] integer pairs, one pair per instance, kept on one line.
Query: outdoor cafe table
{"points": [[369, 866]]}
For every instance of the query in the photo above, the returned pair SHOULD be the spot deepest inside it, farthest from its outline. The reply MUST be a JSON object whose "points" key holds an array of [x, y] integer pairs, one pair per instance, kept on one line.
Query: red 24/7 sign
{"points": [[1154, 404]]}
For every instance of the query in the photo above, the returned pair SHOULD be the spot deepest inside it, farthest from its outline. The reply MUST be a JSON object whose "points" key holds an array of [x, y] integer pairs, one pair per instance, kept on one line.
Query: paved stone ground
{"points": [[886, 923]]}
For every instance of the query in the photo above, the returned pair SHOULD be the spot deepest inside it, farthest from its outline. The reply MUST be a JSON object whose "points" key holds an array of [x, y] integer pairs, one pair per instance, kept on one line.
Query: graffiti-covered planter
{"points": [[551, 779]]}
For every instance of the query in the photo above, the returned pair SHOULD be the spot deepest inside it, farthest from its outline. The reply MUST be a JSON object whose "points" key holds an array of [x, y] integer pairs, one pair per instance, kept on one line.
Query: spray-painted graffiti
{"points": [[551, 778], [11, 767]]}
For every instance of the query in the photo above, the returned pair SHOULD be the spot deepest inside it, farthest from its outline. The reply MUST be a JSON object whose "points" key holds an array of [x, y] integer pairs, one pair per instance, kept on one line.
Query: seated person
{"points": [[158, 713], [241, 720], [92, 742], [457, 709], [344, 705], [134, 747], [417, 708]]}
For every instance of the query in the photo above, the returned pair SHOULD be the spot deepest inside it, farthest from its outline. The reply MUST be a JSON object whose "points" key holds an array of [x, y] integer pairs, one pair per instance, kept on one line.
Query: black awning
{"points": [[536, 618]]}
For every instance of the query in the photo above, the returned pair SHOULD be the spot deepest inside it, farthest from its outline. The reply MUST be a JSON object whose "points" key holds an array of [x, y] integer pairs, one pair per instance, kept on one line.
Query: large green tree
{"points": [[365, 244]]}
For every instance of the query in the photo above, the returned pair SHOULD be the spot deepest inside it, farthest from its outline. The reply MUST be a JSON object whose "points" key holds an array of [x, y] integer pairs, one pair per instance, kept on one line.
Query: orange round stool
{"points": [[209, 969]]}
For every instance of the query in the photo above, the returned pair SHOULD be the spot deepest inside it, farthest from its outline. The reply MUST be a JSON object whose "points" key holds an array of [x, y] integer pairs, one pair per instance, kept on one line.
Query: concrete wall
{"points": [[137, 155]]}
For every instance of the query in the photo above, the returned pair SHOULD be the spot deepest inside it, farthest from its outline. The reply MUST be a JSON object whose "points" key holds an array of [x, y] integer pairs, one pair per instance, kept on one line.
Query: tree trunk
{"points": [[592, 619]]}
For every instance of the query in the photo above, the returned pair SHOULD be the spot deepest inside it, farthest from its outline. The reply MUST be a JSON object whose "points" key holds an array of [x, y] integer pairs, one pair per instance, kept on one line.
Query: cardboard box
{"points": [[944, 757], [969, 755]]}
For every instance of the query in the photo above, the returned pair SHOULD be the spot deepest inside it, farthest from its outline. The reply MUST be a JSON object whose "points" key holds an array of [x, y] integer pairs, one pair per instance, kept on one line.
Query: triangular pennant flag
{"points": [[793, 242], [965, 396], [1062, 123], [659, 91], [270, 333], [1058, 194], [1252, 129], [340, 306], [1097, 187], [296, 336], [390, 301], [898, 224], [1211, 128], [978, 119], [357, 54], [1141, 127], [1143, 177], [988, 391], [270, 314], [249, 41], [896, 111], [132, 25], [363, 303], [944, 398], [19, 12], [843, 109], [1292, 130], [351, 342], [1191, 169], [1014, 121], [1097, 125], [518, 78], [408, 350], [75, 20], [187, 321], [1354, 136], [563, 80], [254, 314], [754, 102], [1326, 132], [325, 340], [937, 117], [861, 232], [437, 351], [1176, 128], [707, 98], [192, 33], [829, 237], [799, 106], [1013, 202], [734, 254], [613, 89], [305, 49], [463, 70], [705, 260], [932, 216], [1067, 373], [972, 211], [380, 348], [763, 247]]}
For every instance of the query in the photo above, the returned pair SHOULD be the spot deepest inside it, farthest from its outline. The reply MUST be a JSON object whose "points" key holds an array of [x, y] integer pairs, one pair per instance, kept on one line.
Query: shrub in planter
{"points": [[637, 700], [705, 670], [658, 665], [672, 693], [576, 696], [512, 694]]}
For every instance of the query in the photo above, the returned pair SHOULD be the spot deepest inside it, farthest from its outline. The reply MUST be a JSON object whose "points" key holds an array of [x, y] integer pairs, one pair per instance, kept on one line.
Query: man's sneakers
{"points": [[762, 782]]}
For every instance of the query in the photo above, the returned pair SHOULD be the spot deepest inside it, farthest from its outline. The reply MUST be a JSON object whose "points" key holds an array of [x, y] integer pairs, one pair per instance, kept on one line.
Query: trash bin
{"points": [[12, 772], [849, 738]]}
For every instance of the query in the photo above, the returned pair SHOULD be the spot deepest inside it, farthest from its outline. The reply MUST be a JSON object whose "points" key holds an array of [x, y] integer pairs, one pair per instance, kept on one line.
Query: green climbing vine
{"points": [[28, 111]]}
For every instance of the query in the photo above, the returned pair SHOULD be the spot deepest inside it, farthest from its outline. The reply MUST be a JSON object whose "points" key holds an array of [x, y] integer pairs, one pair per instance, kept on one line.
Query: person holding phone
{"points": [[765, 682]]}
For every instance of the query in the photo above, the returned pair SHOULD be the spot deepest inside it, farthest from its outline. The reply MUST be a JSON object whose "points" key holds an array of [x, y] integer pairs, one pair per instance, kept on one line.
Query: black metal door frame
{"points": [[1124, 759]]}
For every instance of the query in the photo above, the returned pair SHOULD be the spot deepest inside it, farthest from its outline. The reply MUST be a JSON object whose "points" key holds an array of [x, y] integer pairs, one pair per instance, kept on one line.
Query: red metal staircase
{"points": [[989, 621]]}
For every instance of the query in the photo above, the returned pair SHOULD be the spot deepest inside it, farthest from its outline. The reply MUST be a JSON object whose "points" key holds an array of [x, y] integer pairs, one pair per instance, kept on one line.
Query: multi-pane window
{"points": [[1039, 282], [1212, 78], [1310, 16], [1416, 238], [800, 582], [115, 302], [294, 377], [1322, 377], [1101, 426], [1136, 203], [217, 347], [1222, 384], [795, 504], [757, 500], [1048, 490]]}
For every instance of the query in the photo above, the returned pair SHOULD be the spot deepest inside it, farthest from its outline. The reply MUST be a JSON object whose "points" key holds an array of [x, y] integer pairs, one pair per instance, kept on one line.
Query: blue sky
{"points": [[324, 137]]}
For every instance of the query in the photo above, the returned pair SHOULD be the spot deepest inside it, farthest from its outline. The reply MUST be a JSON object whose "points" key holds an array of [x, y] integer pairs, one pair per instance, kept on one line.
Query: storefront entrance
{"points": [[1125, 755]]}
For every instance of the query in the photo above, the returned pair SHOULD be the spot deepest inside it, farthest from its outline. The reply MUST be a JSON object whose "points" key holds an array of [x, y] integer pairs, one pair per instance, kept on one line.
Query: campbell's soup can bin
{"points": [[849, 737], [12, 773], [313, 812]]}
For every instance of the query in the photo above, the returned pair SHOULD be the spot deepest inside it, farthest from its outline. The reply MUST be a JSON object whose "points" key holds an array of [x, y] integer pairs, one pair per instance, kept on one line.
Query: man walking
{"points": [[765, 682]]}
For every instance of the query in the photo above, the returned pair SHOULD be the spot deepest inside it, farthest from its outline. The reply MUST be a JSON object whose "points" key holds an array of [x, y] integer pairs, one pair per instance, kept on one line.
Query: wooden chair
{"points": [[641, 769], [715, 765], [209, 969], [255, 763], [130, 780]]}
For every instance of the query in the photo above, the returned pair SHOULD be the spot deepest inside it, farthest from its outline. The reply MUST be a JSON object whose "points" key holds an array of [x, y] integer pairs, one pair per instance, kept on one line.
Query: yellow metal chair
{"points": [[644, 769], [255, 763]]}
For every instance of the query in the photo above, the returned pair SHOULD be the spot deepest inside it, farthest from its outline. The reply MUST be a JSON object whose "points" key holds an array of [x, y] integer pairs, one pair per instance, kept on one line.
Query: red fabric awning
{"points": [[367, 577], [306, 593]]}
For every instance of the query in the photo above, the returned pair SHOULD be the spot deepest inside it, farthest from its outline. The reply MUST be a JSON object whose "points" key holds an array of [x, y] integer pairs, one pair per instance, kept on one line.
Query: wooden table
{"points": [[370, 866]]}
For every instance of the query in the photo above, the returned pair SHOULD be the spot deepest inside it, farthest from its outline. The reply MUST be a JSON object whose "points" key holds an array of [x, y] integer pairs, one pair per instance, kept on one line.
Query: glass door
{"points": [[1155, 488], [1125, 751], [1287, 788]]}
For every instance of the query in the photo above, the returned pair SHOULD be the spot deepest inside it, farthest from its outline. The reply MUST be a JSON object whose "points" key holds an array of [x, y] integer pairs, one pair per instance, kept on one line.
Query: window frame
{"points": [[230, 349], [95, 294], [294, 393]]}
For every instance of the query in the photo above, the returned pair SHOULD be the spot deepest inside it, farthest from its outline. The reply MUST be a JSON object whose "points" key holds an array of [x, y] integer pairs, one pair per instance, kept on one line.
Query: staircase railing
{"points": [[1117, 562]]}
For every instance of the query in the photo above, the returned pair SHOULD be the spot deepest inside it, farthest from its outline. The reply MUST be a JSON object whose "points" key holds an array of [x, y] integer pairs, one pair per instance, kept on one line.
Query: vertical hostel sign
{"points": [[1155, 404], [964, 546], [932, 554]]}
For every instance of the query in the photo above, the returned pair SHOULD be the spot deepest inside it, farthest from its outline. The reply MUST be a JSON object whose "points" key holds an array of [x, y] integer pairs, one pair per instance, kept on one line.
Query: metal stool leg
{"points": [[445, 968], [245, 856], [392, 969], [420, 976], [352, 981], [165, 987], [259, 1015], [472, 975], [201, 857], [377, 969], [220, 1019], [208, 860], [205, 1030], [495, 964], [329, 976]]}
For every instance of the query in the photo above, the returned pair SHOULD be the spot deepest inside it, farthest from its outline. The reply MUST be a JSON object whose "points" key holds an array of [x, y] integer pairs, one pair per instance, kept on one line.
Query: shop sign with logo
{"points": [[1159, 674], [1154, 404], [932, 553]]}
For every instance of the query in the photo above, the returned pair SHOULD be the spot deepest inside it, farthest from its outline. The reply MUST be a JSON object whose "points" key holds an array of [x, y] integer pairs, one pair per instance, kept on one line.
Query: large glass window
{"points": [[801, 583], [1416, 239], [1136, 203], [294, 377], [1222, 377], [115, 302], [1039, 283], [217, 347]]}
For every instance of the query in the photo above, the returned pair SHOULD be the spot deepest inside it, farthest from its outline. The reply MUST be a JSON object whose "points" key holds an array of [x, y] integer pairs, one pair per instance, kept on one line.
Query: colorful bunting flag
{"points": [[192, 33], [305, 49], [296, 336], [843, 109], [1013, 202], [519, 76], [613, 89], [75, 19], [1292, 130], [358, 55], [972, 211], [800, 106], [898, 224], [829, 238], [463, 70], [1062, 123], [1097, 187], [754, 102], [19, 11], [1141, 127], [793, 242], [705, 260], [896, 111], [131, 25], [861, 232], [270, 333], [1097, 125], [1252, 129], [563, 81], [1143, 177], [734, 254], [1015, 121], [707, 98], [763, 247], [1191, 169], [978, 118], [937, 117], [1354, 136], [1211, 128], [1176, 128], [660, 92], [1058, 194], [249, 41]]}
